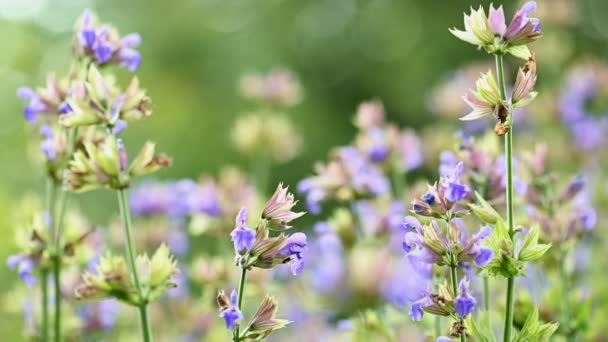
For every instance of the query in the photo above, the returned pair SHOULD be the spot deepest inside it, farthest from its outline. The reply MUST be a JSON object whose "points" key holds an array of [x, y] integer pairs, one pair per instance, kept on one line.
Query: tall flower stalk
{"points": [[490, 99], [509, 201], [255, 248], [125, 214]]}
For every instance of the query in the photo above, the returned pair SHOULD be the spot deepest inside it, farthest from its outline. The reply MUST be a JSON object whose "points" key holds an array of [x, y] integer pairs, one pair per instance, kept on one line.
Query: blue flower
{"points": [[232, 315], [25, 267], [295, 245], [484, 255], [242, 236], [454, 189], [35, 106], [464, 302], [417, 308]]}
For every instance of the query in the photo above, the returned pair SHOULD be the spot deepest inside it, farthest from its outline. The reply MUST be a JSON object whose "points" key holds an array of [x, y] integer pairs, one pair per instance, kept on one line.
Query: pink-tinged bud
{"points": [[278, 209], [496, 18]]}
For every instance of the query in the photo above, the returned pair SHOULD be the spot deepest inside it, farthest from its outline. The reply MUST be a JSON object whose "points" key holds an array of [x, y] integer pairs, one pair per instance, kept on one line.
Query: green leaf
{"points": [[534, 330], [480, 328], [520, 51]]}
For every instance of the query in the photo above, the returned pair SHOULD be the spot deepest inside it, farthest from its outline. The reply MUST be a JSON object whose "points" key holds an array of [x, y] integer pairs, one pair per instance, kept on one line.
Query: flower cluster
{"points": [[434, 244], [360, 171], [492, 33], [112, 278], [105, 163], [103, 43], [255, 248], [488, 99], [585, 83], [440, 201], [269, 132]]}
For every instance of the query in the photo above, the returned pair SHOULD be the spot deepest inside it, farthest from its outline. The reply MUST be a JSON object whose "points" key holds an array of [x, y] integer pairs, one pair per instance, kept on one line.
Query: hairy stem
{"points": [[509, 200], [131, 255], [239, 303]]}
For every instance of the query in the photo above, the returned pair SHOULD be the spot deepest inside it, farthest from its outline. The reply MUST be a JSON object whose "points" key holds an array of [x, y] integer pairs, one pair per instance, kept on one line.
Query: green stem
{"points": [[486, 294], [454, 278], [44, 275], [565, 299], [437, 326], [509, 201], [239, 303], [51, 196], [123, 203], [57, 260]]}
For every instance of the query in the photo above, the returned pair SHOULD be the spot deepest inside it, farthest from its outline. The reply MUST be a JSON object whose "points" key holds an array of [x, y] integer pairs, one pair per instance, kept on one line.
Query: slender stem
{"points": [[486, 294], [131, 255], [57, 261], [454, 278], [565, 300], [437, 326], [509, 201], [239, 303], [44, 275], [51, 196]]}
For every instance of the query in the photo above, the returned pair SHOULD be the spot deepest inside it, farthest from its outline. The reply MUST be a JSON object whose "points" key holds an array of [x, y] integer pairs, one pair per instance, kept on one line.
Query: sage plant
{"points": [[256, 248], [490, 99]]}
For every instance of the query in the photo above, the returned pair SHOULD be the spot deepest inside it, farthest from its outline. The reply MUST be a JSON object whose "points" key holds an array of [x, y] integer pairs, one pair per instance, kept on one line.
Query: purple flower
{"points": [[454, 189], [242, 236], [588, 218], [295, 245], [484, 255], [101, 315], [428, 198], [328, 267], [119, 126], [232, 315], [104, 44], [48, 148], [417, 308], [496, 17], [464, 302], [25, 267], [520, 20], [35, 106]]}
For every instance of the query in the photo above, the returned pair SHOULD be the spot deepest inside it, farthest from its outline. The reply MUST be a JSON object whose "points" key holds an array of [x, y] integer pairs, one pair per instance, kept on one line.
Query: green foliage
{"points": [[480, 327], [535, 330]]}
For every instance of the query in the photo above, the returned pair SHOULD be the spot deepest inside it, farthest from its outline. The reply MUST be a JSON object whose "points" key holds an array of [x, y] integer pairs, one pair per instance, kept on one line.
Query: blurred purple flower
{"points": [[25, 267], [36, 105]]}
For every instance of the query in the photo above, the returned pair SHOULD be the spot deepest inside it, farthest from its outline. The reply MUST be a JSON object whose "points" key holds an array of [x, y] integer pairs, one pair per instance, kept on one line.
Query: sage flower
{"points": [[464, 302], [491, 32], [242, 236], [230, 311], [278, 211], [103, 44]]}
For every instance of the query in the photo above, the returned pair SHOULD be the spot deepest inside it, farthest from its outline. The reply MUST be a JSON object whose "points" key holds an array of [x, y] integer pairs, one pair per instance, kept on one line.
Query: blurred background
{"points": [[342, 52]]}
